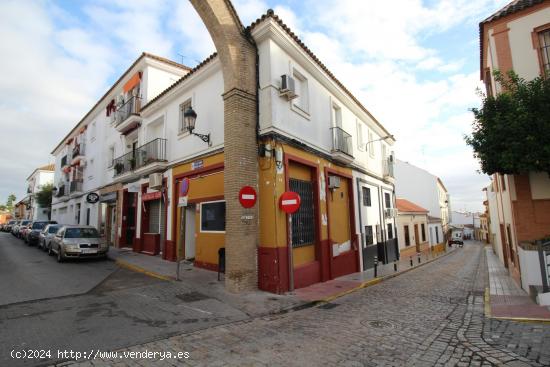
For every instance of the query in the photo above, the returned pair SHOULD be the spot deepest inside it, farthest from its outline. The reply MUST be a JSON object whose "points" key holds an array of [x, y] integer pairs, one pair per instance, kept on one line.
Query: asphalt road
{"points": [[27, 273]]}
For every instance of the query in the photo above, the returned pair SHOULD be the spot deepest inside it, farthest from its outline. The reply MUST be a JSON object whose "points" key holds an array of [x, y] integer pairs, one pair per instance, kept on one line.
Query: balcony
{"points": [[145, 159], [78, 151], [75, 186], [388, 169], [341, 145], [61, 191], [127, 116]]}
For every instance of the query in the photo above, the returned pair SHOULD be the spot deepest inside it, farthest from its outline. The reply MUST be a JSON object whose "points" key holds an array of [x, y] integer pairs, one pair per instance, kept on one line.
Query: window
{"points": [[88, 216], [360, 137], [300, 83], [423, 231], [336, 116], [303, 221], [390, 231], [369, 142], [366, 196], [407, 236], [437, 234], [544, 44], [369, 238], [182, 125], [387, 200], [488, 83], [213, 216]]}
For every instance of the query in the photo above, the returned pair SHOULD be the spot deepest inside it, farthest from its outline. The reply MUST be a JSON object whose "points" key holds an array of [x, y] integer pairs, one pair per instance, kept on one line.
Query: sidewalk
{"points": [[505, 299]]}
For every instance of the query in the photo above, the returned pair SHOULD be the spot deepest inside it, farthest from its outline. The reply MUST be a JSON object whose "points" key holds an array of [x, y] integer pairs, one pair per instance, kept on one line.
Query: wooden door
{"points": [[416, 238]]}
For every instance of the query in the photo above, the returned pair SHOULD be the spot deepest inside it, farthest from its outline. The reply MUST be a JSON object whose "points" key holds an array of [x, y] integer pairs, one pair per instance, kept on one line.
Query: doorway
{"points": [[416, 238]]}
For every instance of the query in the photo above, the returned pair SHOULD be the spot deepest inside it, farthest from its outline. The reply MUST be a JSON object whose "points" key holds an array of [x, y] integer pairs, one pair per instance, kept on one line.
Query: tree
{"points": [[44, 196], [10, 202], [511, 132]]}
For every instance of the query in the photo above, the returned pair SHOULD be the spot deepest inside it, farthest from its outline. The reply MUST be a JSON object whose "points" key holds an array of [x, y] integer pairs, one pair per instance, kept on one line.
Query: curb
{"points": [[137, 269], [377, 280], [488, 313]]}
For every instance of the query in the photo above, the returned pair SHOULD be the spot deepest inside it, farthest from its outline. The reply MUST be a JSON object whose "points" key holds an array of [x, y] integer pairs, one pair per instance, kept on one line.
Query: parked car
{"points": [[78, 242], [17, 229], [46, 236], [7, 226], [15, 226], [32, 234], [24, 231]]}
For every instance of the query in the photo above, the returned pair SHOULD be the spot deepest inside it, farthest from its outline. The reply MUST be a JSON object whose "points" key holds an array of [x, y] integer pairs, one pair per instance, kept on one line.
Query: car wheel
{"points": [[60, 257]]}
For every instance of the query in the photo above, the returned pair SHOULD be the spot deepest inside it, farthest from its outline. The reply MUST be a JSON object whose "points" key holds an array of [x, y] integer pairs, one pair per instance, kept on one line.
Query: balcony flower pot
{"points": [[119, 167]]}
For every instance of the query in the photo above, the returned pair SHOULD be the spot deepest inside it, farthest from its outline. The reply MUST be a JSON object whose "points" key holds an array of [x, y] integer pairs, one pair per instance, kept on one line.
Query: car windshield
{"points": [[53, 229], [81, 233], [39, 225], [25, 222]]}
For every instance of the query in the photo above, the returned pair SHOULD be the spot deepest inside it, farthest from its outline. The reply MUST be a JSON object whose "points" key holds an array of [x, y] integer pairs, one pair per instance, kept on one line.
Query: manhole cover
{"points": [[192, 297], [378, 324], [329, 306]]}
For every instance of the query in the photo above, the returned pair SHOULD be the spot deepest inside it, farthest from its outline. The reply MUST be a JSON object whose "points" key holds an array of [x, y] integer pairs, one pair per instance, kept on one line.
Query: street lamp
{"points": [[189, 117], [382, 138]]}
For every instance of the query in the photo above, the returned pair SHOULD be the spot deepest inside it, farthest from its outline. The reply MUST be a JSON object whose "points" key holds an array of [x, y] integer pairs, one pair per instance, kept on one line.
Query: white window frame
{"points": [[200, 215], [360, 127], [110, 162], [371, 143], [183, 131], [302, 102], [335, 112]]}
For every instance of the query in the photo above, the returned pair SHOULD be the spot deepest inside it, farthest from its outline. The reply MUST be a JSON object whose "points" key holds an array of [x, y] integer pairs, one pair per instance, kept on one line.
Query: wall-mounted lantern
{"points": [[190, 117]]}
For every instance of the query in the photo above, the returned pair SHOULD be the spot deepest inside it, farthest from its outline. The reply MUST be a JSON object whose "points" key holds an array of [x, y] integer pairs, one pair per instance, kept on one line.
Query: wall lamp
{"points": [[189, 117], [382, 138]]}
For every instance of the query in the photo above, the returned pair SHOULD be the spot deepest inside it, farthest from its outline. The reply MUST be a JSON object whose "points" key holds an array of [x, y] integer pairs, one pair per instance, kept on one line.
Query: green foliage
{"points": [[511, 132], [10, 202], [44, 196]]}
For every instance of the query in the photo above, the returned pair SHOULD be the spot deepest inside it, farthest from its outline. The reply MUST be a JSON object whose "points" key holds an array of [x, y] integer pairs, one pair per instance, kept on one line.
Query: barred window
{"points": [[390, 231], [184, 107], [544, 38], [387, 199], [369, 237], [303, 221], [366, 196]]}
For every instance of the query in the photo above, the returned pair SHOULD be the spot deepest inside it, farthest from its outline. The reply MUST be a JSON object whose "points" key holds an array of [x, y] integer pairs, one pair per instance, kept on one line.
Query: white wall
{"points": [[418, 186]]}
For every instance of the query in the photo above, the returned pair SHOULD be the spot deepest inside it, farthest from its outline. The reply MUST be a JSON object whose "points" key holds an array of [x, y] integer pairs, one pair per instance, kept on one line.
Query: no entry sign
{"points": [[184, 189], [247, 197], [289, 202]]}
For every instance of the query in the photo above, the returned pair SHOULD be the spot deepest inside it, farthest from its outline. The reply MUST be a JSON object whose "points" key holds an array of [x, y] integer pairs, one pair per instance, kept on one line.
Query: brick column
{"points": [[238, 57]]}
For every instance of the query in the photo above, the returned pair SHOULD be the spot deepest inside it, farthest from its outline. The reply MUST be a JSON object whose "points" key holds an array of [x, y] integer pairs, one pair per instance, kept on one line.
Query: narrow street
{"points": [[429, 316]]}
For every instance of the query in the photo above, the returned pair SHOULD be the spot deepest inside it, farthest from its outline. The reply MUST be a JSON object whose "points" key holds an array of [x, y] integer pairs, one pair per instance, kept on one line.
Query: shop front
{"points": [[107, 216]]}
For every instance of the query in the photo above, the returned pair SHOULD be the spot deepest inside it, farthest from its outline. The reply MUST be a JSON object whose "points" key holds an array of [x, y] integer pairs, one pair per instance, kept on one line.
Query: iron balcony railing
{"points": [[130, 107], [154, 151], [61, 191], [78, 150], [341, 141], [75, 186], [388, 167]]}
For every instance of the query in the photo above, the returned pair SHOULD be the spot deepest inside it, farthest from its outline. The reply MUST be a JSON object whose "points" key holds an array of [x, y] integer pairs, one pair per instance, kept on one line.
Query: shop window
{"points": [[366, 196], [369, 237], [213, 216], [303, 221]]}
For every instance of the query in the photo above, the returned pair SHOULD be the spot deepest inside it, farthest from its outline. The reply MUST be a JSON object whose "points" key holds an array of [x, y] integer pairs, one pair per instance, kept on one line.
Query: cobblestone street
{"points": [[429, 316]]}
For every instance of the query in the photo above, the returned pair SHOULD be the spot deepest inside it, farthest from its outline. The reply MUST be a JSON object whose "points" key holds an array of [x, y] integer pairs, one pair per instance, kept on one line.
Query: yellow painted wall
{"points": [[339, 215], [202, 187]]}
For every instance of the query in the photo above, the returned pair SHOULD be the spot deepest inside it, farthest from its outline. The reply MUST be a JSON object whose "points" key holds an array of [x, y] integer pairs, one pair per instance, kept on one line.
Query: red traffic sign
{"points": [[247, 197], [184, 189], [289, 202]]}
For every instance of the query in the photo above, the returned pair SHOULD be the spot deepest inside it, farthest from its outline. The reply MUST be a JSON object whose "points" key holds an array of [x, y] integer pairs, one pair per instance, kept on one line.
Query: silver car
{"points": [[46, 237], [78, 242]]}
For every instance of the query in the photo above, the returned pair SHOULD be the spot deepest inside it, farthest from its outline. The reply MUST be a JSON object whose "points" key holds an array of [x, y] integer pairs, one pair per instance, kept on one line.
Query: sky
{"points": [[414, 64]]}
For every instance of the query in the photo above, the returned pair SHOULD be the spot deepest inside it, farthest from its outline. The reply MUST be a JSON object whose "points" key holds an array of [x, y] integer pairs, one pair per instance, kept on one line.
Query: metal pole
{"points": [[290, 261], [411, 261], [375, 266], [418, 256], [395, 265]]}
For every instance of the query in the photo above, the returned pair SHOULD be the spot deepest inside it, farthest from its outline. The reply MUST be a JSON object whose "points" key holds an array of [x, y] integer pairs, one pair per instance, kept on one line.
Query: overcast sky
{"points": [[414, 64]]}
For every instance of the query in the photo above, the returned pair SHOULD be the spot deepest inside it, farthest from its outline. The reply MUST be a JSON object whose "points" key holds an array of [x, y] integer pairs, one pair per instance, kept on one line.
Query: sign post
{"points": [[289, 202]]}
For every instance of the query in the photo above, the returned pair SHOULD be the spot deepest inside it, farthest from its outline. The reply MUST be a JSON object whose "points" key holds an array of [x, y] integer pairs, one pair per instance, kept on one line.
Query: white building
{"points": [[40, 177], [428, 191]]}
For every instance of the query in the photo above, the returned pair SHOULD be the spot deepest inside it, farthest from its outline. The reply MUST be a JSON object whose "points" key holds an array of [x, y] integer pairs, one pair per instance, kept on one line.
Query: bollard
{"points": [[411, 261], [418, 256], [375, 266], [395, 265]]}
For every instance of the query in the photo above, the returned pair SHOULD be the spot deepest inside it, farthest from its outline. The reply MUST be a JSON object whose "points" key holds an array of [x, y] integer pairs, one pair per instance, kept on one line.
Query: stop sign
{"points": [[289, 202], [247, 197]]}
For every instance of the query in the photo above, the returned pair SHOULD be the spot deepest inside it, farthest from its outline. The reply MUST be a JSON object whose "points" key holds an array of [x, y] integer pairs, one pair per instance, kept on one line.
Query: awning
{"points": [[132, 82]]}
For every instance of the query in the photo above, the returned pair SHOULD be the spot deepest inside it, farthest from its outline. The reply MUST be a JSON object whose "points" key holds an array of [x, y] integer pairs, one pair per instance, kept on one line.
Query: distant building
{"points": [[412, 228], [427, 191], [36, 181]]}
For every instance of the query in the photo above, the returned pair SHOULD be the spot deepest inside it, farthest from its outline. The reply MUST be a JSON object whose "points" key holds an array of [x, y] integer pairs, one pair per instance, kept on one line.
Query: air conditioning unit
{"points": [[390, 213], [288, 87], [333, 182], [155, 181]]}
